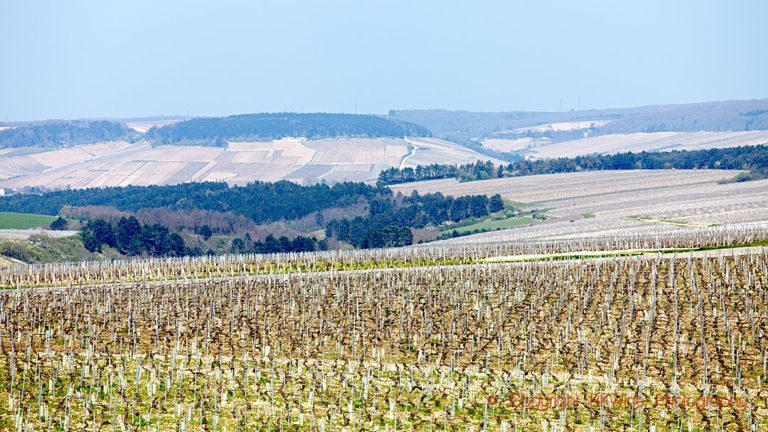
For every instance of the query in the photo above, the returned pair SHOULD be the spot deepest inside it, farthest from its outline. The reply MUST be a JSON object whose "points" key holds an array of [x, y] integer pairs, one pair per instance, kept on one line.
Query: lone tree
{"points": [[206, 232], [59, 224], [496, 203]]}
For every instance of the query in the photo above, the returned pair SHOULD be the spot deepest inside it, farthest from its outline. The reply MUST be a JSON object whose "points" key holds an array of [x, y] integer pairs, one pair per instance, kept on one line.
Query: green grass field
{"points": [[493, 224], [10, 220]]}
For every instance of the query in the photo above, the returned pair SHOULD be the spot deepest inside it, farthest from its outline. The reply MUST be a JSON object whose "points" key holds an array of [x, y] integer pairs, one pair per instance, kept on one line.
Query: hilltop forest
{"points": [[64, 133], [212, 131], [217, 130]]}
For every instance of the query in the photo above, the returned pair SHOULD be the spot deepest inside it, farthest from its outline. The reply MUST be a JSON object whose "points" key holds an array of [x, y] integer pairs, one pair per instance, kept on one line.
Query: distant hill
{"points": [[710, 116], [62, 133], [327, 147], [301, 160], [206, 131], [268, 126]]}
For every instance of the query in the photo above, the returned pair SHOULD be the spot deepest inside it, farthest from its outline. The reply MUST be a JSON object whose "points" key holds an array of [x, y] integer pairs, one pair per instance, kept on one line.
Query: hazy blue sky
{"points": [[72, 59]]}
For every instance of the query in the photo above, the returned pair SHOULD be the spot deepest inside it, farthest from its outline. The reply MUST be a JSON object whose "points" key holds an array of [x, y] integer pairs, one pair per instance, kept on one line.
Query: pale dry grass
{"points": [[562, 126], [61, 157], [18, 166], [105, 148], [251, 156], [431, 150], [508, 145], [143, 126], [24, 234]]}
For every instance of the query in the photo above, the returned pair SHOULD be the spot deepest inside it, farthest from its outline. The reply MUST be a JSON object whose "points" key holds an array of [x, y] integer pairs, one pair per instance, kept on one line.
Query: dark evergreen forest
{"points": [[389, 220], [260, 201], [131, 238], [389, 223]]}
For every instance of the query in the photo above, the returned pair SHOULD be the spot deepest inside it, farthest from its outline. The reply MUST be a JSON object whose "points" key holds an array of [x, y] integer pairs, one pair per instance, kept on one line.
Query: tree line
{"points": [[283, 244], [751, 158], [131, 238], [63, 133], [261, 202], [217, 130], [216, 221]]}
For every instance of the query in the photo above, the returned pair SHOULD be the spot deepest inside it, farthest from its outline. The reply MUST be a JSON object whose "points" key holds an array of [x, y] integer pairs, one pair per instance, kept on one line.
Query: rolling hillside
{"points": [[297, 159], [541, 135], [311, 148], [545, 148], [303, 148], [623, 206], [709, 116]]}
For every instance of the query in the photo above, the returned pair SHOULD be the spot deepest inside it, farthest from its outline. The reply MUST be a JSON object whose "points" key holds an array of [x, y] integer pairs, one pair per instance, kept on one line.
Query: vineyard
{"points": [[390, 340], [190, 241]]}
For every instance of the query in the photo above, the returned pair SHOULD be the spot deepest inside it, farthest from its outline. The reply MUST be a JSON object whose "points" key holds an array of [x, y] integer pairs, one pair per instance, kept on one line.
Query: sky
{"points": [[121, 59]]}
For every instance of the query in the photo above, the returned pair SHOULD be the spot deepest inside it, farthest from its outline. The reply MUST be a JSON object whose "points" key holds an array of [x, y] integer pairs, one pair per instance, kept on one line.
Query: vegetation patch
{"points": [[507, 218], [743, 177], [40, 248], [669, 221]]}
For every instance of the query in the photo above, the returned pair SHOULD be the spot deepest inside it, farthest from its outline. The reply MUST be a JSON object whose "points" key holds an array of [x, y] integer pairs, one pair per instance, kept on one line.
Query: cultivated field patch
{"points": [[10, 220]]}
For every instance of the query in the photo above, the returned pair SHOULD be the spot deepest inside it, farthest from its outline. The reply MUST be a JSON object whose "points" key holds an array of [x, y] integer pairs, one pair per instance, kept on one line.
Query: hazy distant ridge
{"points": [[709, 116]]}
